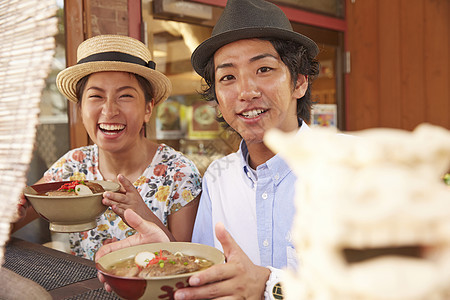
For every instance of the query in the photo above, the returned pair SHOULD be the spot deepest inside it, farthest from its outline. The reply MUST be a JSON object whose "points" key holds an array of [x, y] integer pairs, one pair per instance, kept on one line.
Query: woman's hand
{"points": [[22, 207], [147, 232], [237, 278], [25, 213], [129, 198], [126, 198]]}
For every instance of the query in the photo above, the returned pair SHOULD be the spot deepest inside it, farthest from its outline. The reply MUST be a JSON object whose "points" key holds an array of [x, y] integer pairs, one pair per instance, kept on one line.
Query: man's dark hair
{"points": [[294, 56]]}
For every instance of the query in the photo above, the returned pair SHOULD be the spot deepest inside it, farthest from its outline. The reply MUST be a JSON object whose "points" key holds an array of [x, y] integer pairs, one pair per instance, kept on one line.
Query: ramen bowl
{"points": [[160, 287], [68, 213]]}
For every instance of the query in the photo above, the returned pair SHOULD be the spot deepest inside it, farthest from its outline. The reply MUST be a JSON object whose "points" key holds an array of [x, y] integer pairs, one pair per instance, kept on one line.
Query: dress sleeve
{"points": [[76, 164], [203, 229], [188, 184], [55, 172]]}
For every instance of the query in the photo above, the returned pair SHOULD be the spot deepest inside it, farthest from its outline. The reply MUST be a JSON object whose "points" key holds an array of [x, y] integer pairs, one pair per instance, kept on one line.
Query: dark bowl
{"points": [[155, 288]]}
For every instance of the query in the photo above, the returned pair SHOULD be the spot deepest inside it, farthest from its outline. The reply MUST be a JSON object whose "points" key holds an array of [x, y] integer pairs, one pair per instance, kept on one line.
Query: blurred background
{"points": [[384, 63]]}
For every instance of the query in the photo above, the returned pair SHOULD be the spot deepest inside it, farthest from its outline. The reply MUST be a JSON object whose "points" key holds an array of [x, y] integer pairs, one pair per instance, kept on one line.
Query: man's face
{"points": [[254, 89]]}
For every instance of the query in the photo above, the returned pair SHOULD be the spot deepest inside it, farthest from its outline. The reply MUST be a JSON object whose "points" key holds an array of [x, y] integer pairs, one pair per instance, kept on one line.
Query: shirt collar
{"points": [[277, 167], [248, 176]]}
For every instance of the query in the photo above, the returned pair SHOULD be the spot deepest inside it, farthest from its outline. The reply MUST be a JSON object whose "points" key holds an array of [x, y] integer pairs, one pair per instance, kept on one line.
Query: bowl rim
{"points": [[102, 269], [115, 189]]}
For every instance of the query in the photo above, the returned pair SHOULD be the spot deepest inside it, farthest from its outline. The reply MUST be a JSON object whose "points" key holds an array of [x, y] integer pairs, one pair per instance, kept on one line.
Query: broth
{"points": [[68, 189], [164, 264]]}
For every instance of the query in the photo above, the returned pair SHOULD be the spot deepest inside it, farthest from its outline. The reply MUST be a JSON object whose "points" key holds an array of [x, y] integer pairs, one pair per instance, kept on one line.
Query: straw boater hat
{"points": [[246, 19], [113, 53]]}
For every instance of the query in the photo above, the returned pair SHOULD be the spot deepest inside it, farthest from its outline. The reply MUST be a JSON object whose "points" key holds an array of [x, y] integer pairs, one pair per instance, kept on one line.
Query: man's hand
{"points": [[147, 232], [237, 278]]}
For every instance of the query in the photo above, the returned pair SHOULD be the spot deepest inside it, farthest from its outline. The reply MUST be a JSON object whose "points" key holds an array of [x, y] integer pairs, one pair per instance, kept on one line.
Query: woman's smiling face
{"points": [[254, 89], [113, 110]]}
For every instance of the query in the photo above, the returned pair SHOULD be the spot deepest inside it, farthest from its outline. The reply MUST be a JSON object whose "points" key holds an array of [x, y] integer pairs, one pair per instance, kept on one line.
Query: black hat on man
{"points": [[246, 19]]}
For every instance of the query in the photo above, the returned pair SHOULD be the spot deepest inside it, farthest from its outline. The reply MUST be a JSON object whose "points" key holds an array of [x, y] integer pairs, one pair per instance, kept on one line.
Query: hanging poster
{"points": [[202, 121], [169, 120], [324, 115]]}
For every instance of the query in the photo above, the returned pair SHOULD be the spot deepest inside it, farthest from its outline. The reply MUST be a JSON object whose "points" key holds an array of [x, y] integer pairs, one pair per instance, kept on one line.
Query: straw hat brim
{"points": [[207, 49], [67, 79]]}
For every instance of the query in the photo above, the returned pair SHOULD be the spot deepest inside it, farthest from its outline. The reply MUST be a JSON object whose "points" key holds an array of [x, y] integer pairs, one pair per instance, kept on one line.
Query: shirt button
{"points": [[277, 176], [265, 243], [264, 195], [288, 236]]}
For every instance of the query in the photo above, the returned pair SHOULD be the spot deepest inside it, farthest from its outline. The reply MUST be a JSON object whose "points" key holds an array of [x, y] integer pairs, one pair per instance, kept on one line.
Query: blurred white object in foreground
{"points": [[373, 213]]}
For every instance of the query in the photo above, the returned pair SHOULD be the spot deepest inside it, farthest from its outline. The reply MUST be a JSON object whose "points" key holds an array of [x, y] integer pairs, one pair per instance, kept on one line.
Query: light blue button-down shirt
{"points": [[257, 211]]}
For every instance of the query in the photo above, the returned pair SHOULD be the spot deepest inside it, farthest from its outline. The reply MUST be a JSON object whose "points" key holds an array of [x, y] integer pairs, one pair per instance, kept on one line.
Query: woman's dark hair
{"points": [[143, 83], [294, 56]]}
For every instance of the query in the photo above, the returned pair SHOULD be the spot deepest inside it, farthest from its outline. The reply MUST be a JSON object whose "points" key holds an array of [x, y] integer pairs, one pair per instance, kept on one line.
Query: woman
{"points": [[116, 88]]}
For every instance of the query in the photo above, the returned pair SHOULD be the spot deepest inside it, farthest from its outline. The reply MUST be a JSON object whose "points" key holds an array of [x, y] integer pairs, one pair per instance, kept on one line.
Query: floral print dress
{"points": [[170, 182]]}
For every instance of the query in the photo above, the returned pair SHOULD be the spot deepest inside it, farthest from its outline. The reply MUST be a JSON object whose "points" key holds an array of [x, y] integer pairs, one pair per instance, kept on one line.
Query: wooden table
{"points": [[62, 275]]}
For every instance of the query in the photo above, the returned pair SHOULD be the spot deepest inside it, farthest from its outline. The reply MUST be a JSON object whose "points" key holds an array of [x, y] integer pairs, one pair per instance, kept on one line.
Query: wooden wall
{"points": [[85, 19], [400, 62], [107, 17]]}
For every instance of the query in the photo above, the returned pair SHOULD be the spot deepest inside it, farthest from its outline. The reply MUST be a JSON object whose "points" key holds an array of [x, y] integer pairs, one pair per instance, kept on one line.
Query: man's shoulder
{"points": [[227, 165]]}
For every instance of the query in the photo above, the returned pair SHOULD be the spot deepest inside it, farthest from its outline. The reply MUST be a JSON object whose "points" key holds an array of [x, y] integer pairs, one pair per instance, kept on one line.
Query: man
{"points": [[258, 71]]}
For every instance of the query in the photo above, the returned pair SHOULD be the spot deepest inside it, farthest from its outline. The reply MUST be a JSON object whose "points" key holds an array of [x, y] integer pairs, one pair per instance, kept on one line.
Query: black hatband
{"points": [[117, 56]]}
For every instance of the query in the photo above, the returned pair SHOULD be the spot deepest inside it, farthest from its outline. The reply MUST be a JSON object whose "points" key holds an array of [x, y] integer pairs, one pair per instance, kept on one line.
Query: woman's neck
{"points": [[131, 163]]}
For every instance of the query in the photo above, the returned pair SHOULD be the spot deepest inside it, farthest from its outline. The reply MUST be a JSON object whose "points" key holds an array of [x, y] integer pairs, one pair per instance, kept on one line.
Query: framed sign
{"points": [[324, 115], [202, 121], [169, 120]]}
